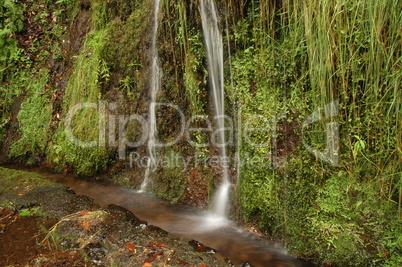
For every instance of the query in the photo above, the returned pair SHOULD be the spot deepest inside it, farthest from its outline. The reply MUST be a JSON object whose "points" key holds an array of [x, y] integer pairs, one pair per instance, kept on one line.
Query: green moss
{"points": [[170, 181], [11, 179]]}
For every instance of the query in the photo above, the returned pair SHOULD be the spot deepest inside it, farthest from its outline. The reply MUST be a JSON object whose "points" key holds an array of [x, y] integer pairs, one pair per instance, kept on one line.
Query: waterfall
{"points": [[154, 89], [214, 50]]}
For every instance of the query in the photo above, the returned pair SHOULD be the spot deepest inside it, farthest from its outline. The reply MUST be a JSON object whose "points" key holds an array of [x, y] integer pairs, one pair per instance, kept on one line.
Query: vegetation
{"points": [[35, 132], [83, 87], [19, 179], [321, 81], [11, 22], [317, 53]]}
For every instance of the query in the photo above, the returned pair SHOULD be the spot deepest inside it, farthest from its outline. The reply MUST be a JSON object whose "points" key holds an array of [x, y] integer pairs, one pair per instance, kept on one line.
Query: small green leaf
{"points": [[25, 213]]}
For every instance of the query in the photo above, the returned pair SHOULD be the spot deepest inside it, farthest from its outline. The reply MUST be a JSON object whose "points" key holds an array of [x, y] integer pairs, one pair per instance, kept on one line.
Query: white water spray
{"points": [[154, 89], [214, 50]]}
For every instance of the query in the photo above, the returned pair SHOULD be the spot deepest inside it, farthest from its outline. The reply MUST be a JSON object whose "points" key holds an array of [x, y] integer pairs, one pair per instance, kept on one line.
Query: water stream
{"points": [[154, 89], [187, 222], [214, 51]]}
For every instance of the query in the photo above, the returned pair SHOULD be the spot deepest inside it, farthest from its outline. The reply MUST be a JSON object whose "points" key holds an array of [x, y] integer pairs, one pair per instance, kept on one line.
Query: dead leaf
{"points": [[130, 246], [147, 264], [153, 256]]}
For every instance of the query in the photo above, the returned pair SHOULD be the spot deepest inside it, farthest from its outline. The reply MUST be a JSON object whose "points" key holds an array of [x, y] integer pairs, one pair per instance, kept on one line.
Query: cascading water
{"points": [[154, 89], [214, 50]]}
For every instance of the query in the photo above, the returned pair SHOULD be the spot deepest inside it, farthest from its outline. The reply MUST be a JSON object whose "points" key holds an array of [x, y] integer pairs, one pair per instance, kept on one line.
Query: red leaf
{"points": [[156, 244], [130, 246], [200, 248]]}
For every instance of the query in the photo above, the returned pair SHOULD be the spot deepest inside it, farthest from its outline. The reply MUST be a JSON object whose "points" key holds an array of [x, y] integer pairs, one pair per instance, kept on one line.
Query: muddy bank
{"points": [[20, 242], [59, 222]]}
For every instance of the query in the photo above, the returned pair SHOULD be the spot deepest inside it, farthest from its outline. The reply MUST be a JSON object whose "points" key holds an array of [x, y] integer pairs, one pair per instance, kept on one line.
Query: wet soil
{"points": [[20, 243]]}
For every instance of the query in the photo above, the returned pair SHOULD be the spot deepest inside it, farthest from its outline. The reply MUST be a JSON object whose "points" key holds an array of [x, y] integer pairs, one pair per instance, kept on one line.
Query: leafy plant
{"points": [[35, 118], [127, 86]]}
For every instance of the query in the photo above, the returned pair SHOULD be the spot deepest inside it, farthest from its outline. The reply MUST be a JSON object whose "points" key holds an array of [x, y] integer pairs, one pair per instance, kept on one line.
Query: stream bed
{"points": [[182, 221]]}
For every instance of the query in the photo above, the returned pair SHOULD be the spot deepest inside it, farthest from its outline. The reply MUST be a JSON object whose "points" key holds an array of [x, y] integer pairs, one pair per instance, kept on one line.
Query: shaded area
{"points": [[20, 243]]}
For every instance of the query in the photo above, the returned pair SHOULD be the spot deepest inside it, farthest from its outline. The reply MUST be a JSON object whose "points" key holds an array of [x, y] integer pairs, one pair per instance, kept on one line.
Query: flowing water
{"points": [[154, 89], [214, 51], [187, 222]]}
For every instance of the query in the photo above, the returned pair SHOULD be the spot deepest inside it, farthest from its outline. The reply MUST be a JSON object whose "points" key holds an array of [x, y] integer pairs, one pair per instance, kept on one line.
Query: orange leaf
{"points": [[147, 264], [83, 213], [86, 224], [159, 245], [203, 265], [130, 246]]}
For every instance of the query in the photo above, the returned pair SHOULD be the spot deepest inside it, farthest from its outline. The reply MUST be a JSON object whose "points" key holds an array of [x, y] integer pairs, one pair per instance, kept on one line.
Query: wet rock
{"points": [[112, 236]]}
